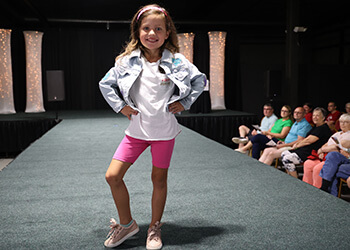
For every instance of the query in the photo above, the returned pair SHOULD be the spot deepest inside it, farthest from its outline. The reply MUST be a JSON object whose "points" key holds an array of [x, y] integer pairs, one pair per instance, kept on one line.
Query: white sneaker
{"points": [[239, 140], [118, 234], [241, 151], [154, 240]]}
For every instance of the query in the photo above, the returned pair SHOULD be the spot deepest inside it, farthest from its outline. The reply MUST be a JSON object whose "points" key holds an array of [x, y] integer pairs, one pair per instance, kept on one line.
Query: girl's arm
{"points": [[109, 89], [198, 81], [307, 141]]}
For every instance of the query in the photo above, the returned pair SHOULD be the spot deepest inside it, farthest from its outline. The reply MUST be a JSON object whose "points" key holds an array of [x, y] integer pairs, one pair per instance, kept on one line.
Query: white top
{"points": [[267, 122], [150, 93]]}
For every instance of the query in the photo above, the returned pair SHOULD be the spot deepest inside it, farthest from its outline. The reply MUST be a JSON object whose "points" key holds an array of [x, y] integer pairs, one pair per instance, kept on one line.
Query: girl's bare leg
{"points": [[114, 177], [159, 180]]}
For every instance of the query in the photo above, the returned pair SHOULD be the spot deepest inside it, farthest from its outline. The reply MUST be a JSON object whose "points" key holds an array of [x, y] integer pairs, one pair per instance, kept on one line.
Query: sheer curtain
{"points": [[217, 67], [6, 83], [33, 41]]}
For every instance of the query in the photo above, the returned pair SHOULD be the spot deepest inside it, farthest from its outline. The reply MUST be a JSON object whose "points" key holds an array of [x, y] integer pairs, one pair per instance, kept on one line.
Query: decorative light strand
{"points": [[217, 69], [33, 40], [6, 82], [186, 45]]}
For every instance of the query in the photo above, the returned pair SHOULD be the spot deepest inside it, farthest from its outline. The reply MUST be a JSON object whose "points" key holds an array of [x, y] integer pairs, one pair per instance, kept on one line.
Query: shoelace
{"points": [[115, 229], [155, 231]]}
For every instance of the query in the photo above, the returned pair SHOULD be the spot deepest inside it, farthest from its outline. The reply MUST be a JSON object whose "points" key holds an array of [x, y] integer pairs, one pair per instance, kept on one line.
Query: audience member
{"points": [[297, 133], [316, 137], [313, 166], [246, 133], [347, 111], [333, 116], [337, 165], [278, 132], [308, 112]]}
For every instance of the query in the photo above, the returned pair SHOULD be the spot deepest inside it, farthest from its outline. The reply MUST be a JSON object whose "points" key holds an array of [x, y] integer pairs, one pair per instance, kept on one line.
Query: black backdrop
{"points": [[85, 54]]}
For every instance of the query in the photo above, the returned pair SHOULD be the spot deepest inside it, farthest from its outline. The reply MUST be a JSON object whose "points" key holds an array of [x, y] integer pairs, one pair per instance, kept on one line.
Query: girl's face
{"points": [[153, 32], [284, 112]]}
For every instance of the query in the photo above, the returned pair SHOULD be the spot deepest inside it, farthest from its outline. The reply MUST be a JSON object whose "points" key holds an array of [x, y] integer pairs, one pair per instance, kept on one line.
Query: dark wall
{"points": [[85, 54]]}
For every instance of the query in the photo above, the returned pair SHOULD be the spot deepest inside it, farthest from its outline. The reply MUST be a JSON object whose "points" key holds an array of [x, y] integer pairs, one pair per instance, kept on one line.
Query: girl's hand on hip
{"points": [[128, 112], [176, 107]]}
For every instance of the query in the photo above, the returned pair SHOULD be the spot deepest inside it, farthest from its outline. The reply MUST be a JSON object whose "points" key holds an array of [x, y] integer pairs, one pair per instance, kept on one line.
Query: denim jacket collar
{"points": [[167, 56]]}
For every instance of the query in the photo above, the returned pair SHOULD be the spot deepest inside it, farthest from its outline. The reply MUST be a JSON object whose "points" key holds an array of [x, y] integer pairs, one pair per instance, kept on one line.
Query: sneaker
{"points": [[154, 240], [118, 234], [241, 151], [239, 140]]}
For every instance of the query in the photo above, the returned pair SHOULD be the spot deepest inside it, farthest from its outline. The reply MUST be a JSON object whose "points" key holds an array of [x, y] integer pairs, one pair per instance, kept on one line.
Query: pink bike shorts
{"points": [[130, 149]]}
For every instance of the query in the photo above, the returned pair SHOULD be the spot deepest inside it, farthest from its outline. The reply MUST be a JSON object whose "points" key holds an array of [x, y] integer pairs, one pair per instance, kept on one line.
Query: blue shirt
{"points": [[298, 129]]}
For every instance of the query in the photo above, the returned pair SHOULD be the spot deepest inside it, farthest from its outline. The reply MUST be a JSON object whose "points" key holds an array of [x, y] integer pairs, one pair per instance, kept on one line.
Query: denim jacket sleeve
{"points": [[188, 79], [198, 81], [110, 90]]}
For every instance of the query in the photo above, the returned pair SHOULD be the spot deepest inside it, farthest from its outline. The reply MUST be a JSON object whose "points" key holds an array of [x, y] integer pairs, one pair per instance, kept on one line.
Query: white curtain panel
{"points": [[217, 69], [186, 45], [6, 84], [33, 40]]}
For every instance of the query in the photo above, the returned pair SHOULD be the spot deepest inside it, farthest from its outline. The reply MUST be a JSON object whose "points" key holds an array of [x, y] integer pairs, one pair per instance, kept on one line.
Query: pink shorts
{"points": [[130, 149]]}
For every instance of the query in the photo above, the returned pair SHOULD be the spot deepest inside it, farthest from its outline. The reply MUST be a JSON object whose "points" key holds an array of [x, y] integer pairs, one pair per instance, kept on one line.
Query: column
{"points": [[6, 84], [217, 69], [33, 40], [186, 45]]}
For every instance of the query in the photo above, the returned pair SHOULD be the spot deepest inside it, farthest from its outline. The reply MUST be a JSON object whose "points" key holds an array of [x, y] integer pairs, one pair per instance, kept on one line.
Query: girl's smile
{"points": [[153, 34]]}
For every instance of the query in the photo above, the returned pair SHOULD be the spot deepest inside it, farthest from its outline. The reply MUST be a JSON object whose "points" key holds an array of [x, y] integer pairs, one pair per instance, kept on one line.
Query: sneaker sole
{"points": [[154, 248], [124, 239]]}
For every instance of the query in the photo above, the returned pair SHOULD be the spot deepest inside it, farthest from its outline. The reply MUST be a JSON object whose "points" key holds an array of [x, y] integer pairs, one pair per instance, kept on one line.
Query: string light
{"points": [[186, 45], [6, 83], [33, 40], [217, 41]]}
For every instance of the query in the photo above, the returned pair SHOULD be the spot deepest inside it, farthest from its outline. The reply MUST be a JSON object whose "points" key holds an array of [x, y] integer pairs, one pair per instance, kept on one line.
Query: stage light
{"points": [[33, 41], [186, 45], [6, 83], [217, 69]]}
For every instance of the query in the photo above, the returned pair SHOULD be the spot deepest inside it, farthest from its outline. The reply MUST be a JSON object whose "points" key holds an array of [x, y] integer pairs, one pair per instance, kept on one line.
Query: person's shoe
{"points": [[118, 234], [241, 151], [154, 240], [239, 140]]}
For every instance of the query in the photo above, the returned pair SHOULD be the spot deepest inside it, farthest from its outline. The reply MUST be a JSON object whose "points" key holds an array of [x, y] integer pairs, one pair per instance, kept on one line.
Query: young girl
{"points": [[149, 83]]}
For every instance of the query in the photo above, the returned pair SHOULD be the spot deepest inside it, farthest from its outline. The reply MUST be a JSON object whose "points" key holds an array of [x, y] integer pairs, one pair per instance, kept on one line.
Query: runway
{"points": [[54, 196]]}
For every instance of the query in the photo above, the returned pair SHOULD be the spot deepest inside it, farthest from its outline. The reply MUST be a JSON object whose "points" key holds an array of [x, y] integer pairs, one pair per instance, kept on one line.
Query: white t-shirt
{"points": [[150, 93]]}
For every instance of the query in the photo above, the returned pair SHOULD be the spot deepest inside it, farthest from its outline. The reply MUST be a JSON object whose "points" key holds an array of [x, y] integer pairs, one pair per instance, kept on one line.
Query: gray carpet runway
{"points": [[54, 196]]}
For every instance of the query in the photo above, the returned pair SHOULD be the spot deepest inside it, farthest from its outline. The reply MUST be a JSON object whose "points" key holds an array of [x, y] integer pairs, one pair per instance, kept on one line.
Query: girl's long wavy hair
{"points": [[171, 43]]}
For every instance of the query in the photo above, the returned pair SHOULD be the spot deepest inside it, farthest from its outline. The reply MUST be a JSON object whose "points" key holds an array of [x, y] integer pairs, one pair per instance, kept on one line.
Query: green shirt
{"points": [[279, 125]]}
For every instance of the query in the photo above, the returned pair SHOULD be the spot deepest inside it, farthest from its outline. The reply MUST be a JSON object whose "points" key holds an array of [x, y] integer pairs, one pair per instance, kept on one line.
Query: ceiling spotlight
{"points": [[298, 29]]}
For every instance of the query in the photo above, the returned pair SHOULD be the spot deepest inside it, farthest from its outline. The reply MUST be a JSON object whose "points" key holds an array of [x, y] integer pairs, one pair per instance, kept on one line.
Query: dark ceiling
{"points": [[313, 13]]}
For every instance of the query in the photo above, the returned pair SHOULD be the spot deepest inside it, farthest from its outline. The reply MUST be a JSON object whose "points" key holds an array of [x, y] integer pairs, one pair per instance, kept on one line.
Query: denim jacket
{"points": [[116, 84]]}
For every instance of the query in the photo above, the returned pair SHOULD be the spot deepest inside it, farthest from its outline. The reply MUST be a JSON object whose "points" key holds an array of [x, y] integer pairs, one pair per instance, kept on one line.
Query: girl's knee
{"points": [[113, 179], [159, 178]]}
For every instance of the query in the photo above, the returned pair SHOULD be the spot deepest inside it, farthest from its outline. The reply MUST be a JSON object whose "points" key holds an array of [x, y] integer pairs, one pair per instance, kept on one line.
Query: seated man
{"points": [[246, 133], [297, 133], [337, 165], [333, 116]]}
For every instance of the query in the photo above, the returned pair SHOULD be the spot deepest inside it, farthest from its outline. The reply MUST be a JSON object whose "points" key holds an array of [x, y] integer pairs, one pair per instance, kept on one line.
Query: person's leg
{"points": [[259, 143], [159, 180], [289, 160], [308, 170], [271, 154], [161, 157], [317, 180], [114, 177], [265, 154]]}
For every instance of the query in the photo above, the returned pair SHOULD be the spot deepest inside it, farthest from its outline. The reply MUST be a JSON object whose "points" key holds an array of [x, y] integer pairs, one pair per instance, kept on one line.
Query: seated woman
{"points": [[308, 112], [337, 165], [312, 167], [297, 133], [316, 137], [278, 132]]}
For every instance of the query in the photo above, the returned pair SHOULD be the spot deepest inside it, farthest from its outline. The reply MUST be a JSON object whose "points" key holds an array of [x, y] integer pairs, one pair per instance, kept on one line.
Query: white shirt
{"points": [[268, 122], [150, 93]]}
